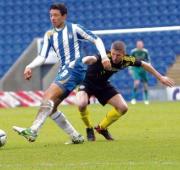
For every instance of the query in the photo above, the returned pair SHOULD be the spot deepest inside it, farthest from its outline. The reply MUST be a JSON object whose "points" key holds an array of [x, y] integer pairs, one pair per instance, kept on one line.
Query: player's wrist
{"points": [[28, 67], [105, 59]]}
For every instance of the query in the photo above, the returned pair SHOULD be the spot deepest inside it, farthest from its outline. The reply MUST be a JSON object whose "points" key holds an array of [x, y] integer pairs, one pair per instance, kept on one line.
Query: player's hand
{"points": [[27, 73], [167, 81], [106, 64]]}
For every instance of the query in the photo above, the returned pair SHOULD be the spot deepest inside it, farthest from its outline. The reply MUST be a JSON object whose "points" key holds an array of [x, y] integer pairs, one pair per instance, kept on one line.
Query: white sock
{"points": [[44, 111], [63, 123]]}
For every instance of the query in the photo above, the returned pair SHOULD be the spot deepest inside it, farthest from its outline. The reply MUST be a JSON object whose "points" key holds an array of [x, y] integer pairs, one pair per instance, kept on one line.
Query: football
{"points": [[3, 138]]}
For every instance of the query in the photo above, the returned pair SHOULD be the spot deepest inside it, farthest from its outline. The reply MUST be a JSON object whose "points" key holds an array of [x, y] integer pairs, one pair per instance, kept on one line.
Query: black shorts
{"points": [[103, 91]]}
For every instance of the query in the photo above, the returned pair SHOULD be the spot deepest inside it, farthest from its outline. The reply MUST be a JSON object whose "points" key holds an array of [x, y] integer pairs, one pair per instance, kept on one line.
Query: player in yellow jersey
{"points": [[96, 83]]}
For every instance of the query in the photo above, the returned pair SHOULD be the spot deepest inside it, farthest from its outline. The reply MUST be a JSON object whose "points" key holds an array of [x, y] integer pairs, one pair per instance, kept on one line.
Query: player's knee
{"points": [[123, 109], [47, 106], [136, 83], [82, 103], [82, 106]]}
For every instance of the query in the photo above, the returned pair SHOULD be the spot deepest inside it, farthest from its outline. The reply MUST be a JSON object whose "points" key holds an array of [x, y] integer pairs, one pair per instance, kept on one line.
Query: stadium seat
{"points": [[30, 19]]}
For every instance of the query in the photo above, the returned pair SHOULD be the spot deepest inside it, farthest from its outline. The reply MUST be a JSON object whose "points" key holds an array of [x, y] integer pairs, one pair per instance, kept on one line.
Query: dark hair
{"points": [[61, 7], [118, 45]]}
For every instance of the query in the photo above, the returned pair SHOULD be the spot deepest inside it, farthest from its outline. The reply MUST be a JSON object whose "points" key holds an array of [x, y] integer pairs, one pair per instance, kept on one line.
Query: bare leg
{"points": [[82, 102]]}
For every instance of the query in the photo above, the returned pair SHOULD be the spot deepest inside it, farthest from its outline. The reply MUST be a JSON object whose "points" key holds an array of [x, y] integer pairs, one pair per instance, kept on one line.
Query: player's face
{"points": [[57, 19], [140, 45], [117, 55]]}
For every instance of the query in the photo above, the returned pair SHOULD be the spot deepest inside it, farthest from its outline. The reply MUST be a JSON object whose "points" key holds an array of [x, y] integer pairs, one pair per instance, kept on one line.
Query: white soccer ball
{"points": [[3, 138]]}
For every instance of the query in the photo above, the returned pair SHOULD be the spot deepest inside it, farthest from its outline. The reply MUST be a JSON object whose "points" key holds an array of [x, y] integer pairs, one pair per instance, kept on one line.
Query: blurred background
{"points": [[24, 22]]}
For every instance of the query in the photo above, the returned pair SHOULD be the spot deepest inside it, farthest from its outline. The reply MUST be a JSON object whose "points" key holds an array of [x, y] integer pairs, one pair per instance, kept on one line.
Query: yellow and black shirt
{"points": [[96, 72]]}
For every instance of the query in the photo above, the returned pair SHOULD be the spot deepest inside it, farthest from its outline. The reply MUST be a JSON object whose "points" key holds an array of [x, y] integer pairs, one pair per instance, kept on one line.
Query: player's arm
{"points": [[163, 79], [104, 59], [130, 68], [36, 62], [88, 35], [89, 60], [39, 60], [148, 59]]}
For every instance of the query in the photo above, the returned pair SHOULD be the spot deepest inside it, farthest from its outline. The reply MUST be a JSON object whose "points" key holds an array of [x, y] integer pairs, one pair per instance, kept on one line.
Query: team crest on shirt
{"points": [[49, 33]]}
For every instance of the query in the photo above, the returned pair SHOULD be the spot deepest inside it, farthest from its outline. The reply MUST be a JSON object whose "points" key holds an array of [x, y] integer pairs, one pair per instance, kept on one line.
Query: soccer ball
{"points": [[3, 138]]}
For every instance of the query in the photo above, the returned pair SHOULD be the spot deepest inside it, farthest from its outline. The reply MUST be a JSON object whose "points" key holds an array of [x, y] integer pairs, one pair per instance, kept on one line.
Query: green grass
{"points": [[147, 138]]}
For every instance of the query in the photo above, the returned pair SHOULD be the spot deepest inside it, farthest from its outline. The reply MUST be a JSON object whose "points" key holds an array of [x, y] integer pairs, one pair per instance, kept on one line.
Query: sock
{"points": [[111, 117], [146, 96], [134, 93], [85, 118], [60, 119], [44, 111]]}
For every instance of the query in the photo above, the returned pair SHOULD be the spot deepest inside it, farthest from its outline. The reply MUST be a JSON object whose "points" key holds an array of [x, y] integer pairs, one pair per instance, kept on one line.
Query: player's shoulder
{"points": [[78, 26], [145, 50], [128, 57], [70, 24], [49, 32], [133, 50]]}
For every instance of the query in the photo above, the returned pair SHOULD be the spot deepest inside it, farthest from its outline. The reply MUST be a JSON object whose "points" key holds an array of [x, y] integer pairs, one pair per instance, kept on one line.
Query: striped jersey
{"points": [[66, 43]]}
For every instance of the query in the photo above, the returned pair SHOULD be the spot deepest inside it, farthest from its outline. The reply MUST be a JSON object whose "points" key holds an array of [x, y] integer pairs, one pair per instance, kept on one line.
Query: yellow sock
{"points": [[111, 117], [85, 118]]}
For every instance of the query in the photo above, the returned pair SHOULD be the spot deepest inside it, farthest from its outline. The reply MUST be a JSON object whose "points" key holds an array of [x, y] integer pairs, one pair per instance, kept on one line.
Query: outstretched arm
{"points": [[163, 79]]}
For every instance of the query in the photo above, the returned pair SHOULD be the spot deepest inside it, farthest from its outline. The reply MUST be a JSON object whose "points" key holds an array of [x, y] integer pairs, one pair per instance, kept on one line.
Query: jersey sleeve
{"points": [[131, 61], [99, 58], [46, 45], [148, 57], [83, 33]]}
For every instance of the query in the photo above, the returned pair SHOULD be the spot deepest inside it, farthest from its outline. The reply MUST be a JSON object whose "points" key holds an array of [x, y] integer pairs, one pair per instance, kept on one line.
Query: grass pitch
{"points": [[147, 138]]}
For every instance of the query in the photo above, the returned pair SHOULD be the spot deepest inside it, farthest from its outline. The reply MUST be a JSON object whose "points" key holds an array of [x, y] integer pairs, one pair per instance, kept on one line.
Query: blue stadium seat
{"points": [[31, 19]]}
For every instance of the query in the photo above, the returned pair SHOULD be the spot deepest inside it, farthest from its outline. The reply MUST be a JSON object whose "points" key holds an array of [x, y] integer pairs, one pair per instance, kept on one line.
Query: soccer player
{"points": [[64, 38], [96, 83], [138, 73]]}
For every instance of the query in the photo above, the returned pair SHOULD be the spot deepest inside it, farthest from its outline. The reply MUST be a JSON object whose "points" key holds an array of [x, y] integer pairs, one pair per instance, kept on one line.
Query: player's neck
{"points": [[60, 27]]}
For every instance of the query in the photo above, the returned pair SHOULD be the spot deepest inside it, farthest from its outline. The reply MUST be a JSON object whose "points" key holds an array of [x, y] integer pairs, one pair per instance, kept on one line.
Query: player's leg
{"points": [[145, 86], [108, 95], [60, 119], [67, 83], [134, 91], [146, 94], [120, 108], [57, 91], [82, 102], [136, 82], [50, 97]]}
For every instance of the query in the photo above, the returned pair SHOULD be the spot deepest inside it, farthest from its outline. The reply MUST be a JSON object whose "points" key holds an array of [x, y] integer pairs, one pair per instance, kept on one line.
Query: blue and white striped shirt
{"points": [[66, 43]]}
